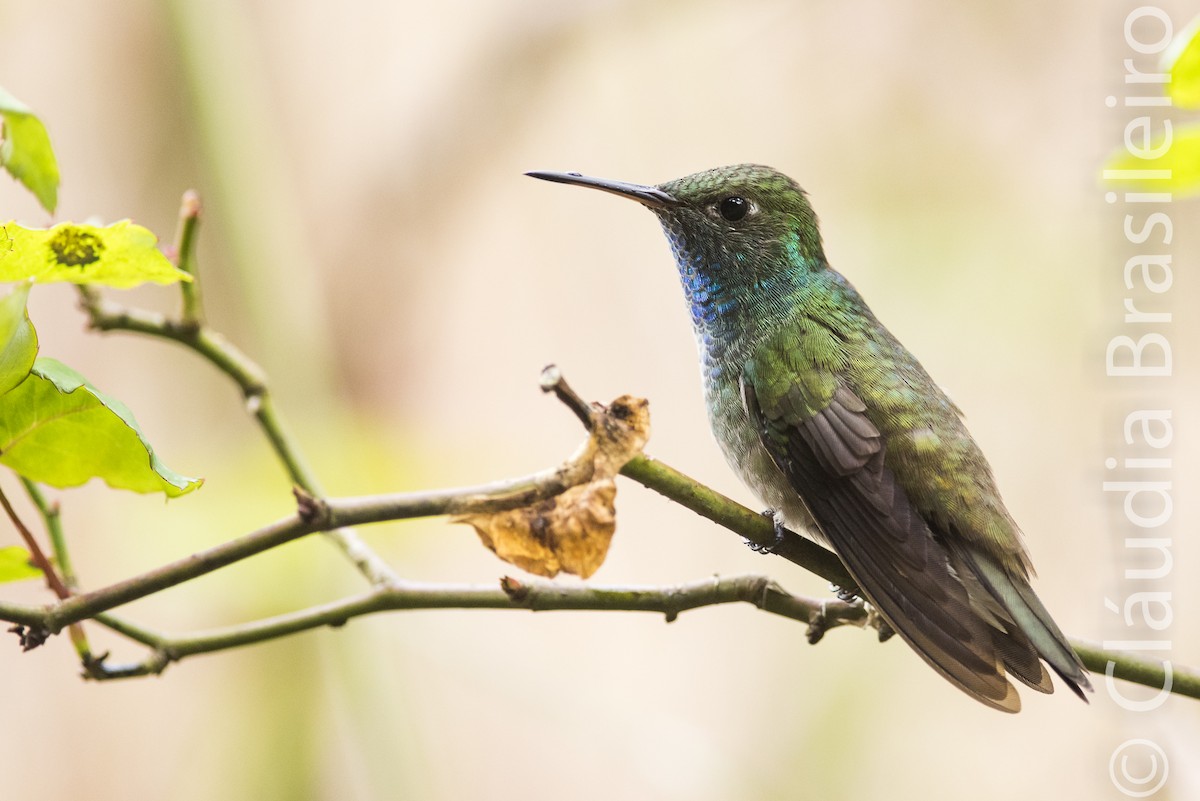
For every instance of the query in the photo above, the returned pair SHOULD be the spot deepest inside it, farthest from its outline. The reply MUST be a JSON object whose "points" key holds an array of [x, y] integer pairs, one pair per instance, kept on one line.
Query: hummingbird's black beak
{"points": [[650, 196]]}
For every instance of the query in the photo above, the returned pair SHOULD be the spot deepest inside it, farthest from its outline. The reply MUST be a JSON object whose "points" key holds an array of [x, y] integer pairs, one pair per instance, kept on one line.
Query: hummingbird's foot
{"points": [[847, 594], [780, 530]]}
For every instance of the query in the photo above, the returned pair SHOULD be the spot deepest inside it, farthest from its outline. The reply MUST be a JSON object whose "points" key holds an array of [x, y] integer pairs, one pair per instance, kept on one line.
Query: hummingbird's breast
{"points": [[729, 322], [738, 437], [723, 368]]}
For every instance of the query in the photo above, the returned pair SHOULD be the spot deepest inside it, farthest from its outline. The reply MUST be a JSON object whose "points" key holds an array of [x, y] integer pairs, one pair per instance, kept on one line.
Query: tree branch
{"points": [[314, 515], [759, 591], [192, 333], [390, 593], [1138, 669], [706, 502]]}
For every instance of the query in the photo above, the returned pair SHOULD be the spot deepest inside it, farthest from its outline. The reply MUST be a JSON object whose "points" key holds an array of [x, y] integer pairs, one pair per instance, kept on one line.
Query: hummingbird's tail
{"points": [[1032, 624]]}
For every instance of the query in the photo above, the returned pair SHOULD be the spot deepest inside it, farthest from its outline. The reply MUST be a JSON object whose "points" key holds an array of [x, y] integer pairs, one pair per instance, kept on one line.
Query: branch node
{"points": [[312, 510], [254, 399], [98, 669], [552, 381], [187, 330], [764, 586], [93, 666], [30, 637], [674, 598], [515, 589]]}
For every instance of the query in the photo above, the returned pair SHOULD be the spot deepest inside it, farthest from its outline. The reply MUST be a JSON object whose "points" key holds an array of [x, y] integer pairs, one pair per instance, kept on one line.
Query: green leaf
{"points": [[16, 565], [18, 340], [120, 255], [1182, 61], [58, 429], [1181, 163], [26, 152]]}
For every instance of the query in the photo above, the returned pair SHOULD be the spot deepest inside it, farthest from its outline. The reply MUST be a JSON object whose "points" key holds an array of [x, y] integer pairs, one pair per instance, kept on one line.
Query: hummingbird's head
{"points": [[739, 226]]}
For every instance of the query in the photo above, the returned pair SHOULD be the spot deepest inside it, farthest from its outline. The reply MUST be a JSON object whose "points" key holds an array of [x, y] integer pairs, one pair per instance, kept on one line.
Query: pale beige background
{"points": [[370, 238]]}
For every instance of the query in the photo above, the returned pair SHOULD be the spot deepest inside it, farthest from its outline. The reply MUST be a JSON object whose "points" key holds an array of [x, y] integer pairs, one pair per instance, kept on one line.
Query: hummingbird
{"points": [[841, 432]]}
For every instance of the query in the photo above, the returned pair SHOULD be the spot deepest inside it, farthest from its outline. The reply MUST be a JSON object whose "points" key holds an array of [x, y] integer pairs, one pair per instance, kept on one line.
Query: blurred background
{"points": [[369, 238]]}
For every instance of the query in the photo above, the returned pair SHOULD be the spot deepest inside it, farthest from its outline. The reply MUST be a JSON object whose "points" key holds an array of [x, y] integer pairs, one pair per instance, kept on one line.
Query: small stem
{"points": [[185, 256], [53, 582], [552, 381], [52, 519]]}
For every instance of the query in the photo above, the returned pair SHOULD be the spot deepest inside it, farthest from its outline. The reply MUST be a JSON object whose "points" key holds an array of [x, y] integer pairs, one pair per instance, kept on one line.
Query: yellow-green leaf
{"points": [[120, 255], [58, 429], [25, 151], [18, 339], [1182, 62], [1177, 170], [16, 565]]}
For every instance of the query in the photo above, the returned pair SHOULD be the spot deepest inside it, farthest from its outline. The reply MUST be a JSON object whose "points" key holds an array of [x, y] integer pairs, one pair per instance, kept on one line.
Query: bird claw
{"points": [[779, 535], [847, 594]]}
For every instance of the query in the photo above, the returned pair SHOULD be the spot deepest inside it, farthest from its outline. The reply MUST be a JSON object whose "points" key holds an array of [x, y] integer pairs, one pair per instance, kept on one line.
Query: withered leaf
{"points": [[571, 532]]}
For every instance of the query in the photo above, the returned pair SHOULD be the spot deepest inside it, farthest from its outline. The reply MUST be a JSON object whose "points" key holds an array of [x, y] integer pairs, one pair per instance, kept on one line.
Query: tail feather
{"points": [[1020, 658], [1032, 622]]}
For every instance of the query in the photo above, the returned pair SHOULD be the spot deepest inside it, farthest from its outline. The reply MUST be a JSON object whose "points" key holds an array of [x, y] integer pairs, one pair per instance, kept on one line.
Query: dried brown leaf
{"points": [[571, 532]]}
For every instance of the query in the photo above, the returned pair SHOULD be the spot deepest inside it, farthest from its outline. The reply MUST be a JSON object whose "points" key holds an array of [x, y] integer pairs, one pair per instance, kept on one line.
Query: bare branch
{"points": [[512, 593]]}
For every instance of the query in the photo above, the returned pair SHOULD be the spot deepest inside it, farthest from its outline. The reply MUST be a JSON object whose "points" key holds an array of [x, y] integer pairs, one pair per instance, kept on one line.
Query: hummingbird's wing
{"points": [[817, 432]]}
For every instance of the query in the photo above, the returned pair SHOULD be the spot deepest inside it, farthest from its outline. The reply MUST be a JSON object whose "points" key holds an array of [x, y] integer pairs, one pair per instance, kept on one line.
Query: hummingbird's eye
{"points": [[733, 208]]}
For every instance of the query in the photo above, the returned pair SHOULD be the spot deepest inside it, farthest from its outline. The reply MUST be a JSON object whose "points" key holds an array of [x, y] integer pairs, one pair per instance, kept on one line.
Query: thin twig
{"points": [[252, 381], [57, 585], [759, 591], [53, 582], [185, 258], [552, 381], [52, 520]]}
